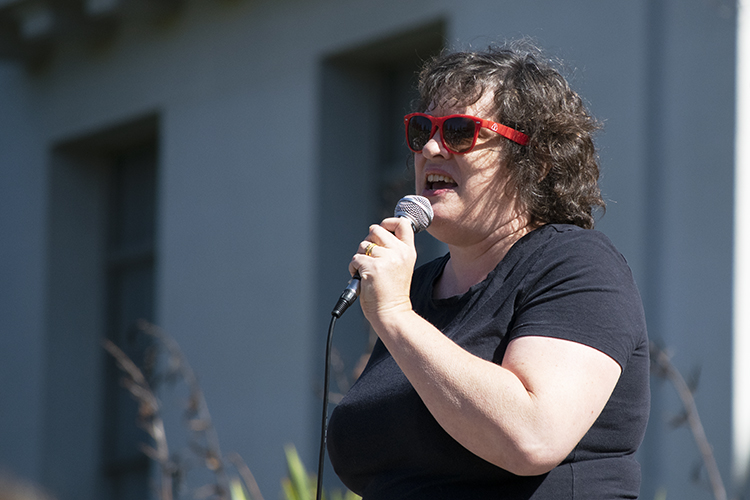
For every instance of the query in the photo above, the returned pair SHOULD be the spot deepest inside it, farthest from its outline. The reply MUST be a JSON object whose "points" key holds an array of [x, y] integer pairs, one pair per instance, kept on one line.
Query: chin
{"points": [[439, 229]]}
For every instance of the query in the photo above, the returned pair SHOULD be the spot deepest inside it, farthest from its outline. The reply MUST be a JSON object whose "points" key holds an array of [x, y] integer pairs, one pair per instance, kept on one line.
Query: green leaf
{"points": [[300, 482], [236, 490], [289, 493]]}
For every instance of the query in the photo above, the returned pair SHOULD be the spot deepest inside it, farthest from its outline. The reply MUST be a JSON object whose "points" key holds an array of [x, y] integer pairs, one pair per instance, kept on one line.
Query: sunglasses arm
{"points": [[507, 132]]}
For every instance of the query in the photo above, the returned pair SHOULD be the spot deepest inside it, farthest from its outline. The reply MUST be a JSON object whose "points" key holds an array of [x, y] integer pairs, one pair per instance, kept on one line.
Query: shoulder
{"points": [[576, 240], [581, 288], [564, 248]]}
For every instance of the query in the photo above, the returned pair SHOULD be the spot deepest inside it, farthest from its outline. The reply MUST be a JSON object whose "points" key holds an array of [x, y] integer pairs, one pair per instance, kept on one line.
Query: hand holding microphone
{"points": [[418, 211]]}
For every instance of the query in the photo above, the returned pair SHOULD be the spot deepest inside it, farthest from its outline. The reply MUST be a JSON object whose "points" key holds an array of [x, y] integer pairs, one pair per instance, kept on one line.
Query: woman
{"points": [[516, 366]]}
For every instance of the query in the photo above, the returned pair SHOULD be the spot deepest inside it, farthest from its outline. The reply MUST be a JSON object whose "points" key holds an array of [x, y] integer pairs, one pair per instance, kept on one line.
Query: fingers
{"points": [[368, 248], [400, 227], [365, 249], [387, 234], [393, 233]]}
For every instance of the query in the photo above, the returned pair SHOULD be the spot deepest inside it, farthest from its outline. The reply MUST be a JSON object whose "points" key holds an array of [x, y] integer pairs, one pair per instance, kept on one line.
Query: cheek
{"points": [[486, 171], [491, 185]]}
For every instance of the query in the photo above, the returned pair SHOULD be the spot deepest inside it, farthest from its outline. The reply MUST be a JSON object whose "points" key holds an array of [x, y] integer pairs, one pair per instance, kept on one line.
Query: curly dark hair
{"points": [[556, 174]]}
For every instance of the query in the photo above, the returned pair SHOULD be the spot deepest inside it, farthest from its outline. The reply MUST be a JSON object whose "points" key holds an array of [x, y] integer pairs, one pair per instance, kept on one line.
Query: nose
{"points": [[435, 147]]}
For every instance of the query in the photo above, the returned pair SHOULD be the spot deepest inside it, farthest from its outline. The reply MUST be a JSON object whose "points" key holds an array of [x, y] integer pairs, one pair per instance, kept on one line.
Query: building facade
{"points": [[211, 165]]}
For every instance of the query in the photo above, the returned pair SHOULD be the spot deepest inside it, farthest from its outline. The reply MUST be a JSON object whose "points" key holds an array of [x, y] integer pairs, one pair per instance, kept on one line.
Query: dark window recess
{"points": [[130, 297]]}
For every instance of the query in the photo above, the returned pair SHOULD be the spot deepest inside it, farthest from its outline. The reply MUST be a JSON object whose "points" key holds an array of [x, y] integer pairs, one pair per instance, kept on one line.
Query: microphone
{"points": [[419, 212]]}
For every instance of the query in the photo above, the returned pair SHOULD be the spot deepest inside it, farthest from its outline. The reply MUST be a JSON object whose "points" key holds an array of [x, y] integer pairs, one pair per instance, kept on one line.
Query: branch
{"points": [[148, 411], [197, 415], [666, 369], [203, 440], [247, 476]]}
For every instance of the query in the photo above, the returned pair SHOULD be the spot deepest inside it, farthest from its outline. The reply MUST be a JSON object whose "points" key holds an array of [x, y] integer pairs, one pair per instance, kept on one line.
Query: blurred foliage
{"points": [[230, 483], [300, 485]]}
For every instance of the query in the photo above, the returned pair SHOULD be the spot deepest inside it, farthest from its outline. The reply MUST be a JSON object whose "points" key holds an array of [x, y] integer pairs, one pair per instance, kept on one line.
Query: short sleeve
{"points": [[582, 290]]}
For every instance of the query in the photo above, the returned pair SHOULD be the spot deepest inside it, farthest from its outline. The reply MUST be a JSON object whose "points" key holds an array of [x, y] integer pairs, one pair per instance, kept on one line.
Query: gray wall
{"points": [[23, 200], [248, 180]]}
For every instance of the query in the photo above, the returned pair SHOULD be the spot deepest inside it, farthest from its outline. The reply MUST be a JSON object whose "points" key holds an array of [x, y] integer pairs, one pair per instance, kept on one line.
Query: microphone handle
{"points": [[348, 296]]}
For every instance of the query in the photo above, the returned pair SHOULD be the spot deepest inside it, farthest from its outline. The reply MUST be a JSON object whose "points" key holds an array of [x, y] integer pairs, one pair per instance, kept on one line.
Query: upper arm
{"points": [[569, 384], [577, 319]]}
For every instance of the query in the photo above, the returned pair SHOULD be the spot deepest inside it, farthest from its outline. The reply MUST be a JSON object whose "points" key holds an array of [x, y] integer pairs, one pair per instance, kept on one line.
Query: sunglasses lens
{"points": [[458, 134], [418, 132]]}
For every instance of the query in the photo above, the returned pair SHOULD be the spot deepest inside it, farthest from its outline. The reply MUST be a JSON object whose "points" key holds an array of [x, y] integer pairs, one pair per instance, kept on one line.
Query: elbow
{"points": [[531, 467], [534, 459]]}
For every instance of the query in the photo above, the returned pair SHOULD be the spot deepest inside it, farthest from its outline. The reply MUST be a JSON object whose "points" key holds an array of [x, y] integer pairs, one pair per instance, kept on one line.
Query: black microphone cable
{"points": [[324, 417]]}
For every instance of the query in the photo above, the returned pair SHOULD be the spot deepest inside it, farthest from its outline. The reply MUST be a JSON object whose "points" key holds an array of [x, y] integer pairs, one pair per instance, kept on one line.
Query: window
{"points": [[129, 275], [101, 262]]}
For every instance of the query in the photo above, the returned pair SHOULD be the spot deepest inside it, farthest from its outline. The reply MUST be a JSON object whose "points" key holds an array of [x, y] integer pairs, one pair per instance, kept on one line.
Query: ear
{"points": [[546, 168]]}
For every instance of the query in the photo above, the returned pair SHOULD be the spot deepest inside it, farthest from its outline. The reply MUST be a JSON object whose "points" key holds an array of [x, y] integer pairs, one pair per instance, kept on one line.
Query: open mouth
{"points": [[439, 181]]}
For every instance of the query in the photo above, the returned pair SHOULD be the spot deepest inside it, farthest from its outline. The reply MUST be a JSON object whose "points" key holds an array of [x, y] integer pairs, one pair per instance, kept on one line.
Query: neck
{"points": [[470, 264]]}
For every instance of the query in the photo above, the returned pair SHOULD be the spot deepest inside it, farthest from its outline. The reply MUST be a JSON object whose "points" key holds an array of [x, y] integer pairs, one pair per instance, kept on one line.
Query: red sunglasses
{"points": [[458, 133]]}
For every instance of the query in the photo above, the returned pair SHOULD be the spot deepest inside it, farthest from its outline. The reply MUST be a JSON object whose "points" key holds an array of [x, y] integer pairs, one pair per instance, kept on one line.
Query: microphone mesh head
{"points": [[417, 209]]}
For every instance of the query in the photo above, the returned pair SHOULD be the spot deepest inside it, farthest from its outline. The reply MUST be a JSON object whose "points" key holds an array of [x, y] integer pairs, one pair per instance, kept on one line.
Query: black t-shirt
{"points": [[557, 281]]}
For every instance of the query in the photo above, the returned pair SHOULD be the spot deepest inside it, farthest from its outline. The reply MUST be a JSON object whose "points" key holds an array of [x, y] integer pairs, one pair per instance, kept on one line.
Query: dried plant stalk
{"points": [[204, 440], [148, 416], [664, 367]]}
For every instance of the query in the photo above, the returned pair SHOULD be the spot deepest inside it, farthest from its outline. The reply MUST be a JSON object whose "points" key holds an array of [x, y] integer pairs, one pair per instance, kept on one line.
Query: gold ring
{"points": [[368, 250]]}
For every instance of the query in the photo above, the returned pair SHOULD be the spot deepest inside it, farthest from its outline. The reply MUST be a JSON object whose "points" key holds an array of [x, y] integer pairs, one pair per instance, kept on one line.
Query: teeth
{"points": [[439, 178]]}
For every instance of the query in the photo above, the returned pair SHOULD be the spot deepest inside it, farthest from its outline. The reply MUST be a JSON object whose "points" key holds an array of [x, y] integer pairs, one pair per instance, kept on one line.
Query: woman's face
{"points": [[471, 194]]}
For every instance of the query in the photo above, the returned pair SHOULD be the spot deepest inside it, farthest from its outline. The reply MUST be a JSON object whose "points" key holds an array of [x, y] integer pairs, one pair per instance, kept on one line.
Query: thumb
{"points": [[401, 228]]}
